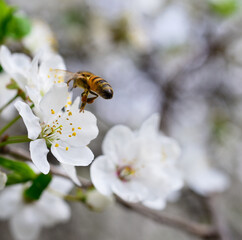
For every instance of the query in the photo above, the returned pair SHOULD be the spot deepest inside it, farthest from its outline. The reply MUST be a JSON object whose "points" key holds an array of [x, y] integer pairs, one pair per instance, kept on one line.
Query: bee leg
{"points": [[84, 100], [68, 82], [91, 100]]}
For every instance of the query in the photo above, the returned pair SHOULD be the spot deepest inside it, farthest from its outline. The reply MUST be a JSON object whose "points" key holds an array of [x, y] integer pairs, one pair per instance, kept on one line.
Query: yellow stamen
{"points": [[52, 111], [57, 145], [67, 148], [74, 134]]}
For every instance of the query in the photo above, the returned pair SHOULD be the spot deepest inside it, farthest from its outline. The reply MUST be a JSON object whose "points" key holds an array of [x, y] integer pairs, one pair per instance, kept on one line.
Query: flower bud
{"points": [[98, 202]]}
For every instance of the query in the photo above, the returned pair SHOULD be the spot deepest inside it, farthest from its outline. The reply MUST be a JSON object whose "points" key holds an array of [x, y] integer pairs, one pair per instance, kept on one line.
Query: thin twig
{"points": [[218, 218], [201, 230]]}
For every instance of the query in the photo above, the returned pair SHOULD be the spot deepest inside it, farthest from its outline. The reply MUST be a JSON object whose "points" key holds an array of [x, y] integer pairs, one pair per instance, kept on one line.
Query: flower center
{"points": [[51, 132], [125, 173]]}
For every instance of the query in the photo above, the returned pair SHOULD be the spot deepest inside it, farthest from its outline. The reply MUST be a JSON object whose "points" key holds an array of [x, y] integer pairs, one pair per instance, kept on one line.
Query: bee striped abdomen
{"points": [[101, 87]]}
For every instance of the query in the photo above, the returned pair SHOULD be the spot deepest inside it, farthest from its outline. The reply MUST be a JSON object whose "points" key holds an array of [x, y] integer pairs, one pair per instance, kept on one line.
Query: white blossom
{"points": [[27, 218], [35, 78], [3, 180], [67, 133], [138, 166], [200, 176], [192, 130]]}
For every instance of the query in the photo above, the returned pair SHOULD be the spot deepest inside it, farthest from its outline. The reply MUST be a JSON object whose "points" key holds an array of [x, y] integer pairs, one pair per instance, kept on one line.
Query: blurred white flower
{"points": [[5, 96], [199, 175], [97, 201], [66, 133], [3, 180], [138, 166], [35, 78], [191, 128], [40, 38], [27, 218]]}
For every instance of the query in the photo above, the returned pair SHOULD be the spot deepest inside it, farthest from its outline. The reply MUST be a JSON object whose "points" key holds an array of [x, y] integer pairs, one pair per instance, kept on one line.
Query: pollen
{"points": [[74, 134], [67, 148], [66, 106], [54, 126], [48, 76], [79, 128], [69, 135], [70, 113], [70, 102], [56, 145], [73, 129], [51, 69], [52, 111], [59, 81], [67, 119], [54, 81], [70, 123], [55, 76]]}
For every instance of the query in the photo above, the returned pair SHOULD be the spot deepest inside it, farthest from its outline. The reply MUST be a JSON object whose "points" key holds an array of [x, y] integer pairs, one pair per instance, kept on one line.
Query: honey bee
{"points": [[90, 82]]}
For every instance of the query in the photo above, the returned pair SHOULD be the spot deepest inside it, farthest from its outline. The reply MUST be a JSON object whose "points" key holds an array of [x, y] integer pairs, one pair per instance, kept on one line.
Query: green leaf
{"points": [[12, 24], [6, 15], [18, 27], [40, 183], [224, 8], [19, 172]]}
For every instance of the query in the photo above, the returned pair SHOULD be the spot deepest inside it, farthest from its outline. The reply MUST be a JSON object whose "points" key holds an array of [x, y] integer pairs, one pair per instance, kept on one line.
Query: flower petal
{"points": [[170, 149], [208, 181], [71, 171], [132, 191], [150, 126], [30, 120], [25, 224], [103, 174], [83, 124], [38, 153], [10, 201], [71, 155], [115, 141], [52, 210], [53, 101], [60, 184], [16, 65]]}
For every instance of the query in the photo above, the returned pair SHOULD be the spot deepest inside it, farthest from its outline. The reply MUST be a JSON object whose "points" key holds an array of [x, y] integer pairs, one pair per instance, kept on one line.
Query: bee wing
{"points": [[61, 75]]}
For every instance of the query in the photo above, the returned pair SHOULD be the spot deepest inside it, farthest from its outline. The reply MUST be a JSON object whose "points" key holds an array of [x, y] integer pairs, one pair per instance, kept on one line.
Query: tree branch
{"points": [[201, 230]]}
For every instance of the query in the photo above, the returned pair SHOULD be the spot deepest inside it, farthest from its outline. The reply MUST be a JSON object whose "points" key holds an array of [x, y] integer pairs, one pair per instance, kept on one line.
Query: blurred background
{"points": [[180, 58]]}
